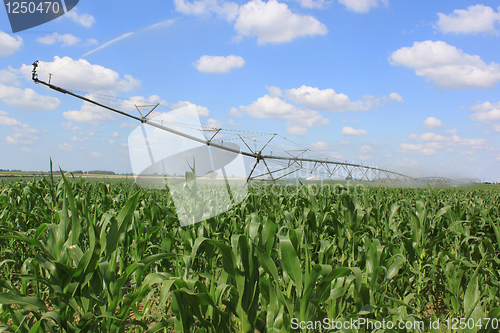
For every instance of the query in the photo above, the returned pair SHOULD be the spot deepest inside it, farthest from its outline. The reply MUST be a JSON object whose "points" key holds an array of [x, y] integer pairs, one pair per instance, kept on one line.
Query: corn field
{"points": [[77, 256]]}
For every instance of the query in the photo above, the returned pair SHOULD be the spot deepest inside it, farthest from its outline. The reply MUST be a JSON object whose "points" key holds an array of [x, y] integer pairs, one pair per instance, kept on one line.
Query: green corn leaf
{"points": [[291, 262], [35, 327], [227, 255], [75, 221], [267, 264], [161, 325], [26, 302], [156, 257], [119, 225], [396, 265], [75, 253]]}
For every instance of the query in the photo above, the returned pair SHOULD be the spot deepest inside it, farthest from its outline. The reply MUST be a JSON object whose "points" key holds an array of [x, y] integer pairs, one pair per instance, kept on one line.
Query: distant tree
{"points": [[101, 172], [211, 174]]}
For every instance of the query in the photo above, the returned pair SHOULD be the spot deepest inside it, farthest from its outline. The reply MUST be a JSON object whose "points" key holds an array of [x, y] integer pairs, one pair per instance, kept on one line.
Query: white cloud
{"points": [[354, 132], [269, 107], [69, 126], [115, 135], [79, 139], [95, 154], [451, 132], [203, 111], [296, 130], [274, 91], [320, 145], [226, 10], [67, 147], [447, 66], [486, 112], [218, 64], [345, 120], [123, 125], [66, 39], [274, 107], [85, 20], [27, 99], [417, 149], [473, 20], [22, 134], [363, 6], [91, 41], [364, 158], [432, 122], [396, 97], [427, 137], [10, 76], [234, 112], [365, 149], [49, 39], [112, 142], [9, 44], [214, 123], [81, 75], [410, 161], [436, 141], [89, 114], [233, 123], [7, 121], [273, 22], [300, 107], [329, 100], [130, 103], [319, 4]]}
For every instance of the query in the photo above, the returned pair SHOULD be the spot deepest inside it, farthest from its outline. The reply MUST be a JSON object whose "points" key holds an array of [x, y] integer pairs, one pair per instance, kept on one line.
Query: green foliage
{"points": [[100, 172], [95, 257]]}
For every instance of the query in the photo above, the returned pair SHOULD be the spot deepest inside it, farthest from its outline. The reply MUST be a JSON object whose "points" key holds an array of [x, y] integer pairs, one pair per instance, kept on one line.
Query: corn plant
{"points": [[89, 256]]}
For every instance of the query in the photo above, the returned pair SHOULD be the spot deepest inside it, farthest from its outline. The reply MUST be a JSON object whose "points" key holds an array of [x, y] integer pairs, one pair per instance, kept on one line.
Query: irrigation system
{"points": [[283, 161]]}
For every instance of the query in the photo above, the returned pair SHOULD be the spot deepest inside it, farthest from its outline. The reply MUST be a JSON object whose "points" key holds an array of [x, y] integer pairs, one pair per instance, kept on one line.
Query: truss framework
{"points": [[290, 164]]}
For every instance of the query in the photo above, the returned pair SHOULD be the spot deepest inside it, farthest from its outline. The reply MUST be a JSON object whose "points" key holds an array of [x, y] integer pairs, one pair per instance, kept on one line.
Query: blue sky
{"points": [[411, 86]]}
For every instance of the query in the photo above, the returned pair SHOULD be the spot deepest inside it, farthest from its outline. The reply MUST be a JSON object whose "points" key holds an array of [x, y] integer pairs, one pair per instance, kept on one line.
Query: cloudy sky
{"points": [[407, 85]]}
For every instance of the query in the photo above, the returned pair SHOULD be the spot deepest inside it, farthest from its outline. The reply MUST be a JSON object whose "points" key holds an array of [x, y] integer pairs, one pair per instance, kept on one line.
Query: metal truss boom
{"points": [[294, 162]]}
